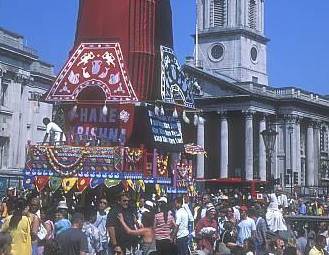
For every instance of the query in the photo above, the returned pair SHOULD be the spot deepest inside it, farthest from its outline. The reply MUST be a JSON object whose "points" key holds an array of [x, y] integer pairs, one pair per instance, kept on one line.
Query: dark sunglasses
{"points": [[103, 202]]}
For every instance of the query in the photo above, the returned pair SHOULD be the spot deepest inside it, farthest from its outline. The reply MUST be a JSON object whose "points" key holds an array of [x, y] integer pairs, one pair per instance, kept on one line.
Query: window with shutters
{"points": [[252, 14], [217, 11]]}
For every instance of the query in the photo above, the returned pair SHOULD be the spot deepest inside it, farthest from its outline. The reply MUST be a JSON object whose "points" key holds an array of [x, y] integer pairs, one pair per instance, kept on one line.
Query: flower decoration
{"points": [[62, 169], [162, 165], [133, 156]]}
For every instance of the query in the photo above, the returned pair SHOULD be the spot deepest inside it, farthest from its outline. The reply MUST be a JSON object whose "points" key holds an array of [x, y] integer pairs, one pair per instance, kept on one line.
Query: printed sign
{"points": [[91, 122], [166, 132], [175, 84]]}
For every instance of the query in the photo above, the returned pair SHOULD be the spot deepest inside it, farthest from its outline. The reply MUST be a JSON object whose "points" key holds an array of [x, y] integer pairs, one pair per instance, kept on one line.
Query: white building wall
{"points": [[21, 115]]}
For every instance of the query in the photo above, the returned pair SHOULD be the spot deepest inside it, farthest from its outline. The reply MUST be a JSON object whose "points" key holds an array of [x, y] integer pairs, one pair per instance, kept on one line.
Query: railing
{"points": [[286, 92], [18, 44]]}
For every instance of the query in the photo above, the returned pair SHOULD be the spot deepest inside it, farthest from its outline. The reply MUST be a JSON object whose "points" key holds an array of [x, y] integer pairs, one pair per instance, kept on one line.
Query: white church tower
{"points": [[231, 39]]}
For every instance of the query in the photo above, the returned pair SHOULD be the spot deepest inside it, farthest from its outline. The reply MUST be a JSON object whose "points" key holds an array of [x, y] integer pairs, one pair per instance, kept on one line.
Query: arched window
{"points": [[252, 14], [217, 13]]}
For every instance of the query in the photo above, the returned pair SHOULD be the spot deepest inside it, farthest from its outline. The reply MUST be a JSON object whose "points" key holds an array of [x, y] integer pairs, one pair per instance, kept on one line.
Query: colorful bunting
{"points": [[95, 182], [68, 183], [54, 183], [128, 184], [140, 186], [41, 182], [28, 182], [111, 182], [83, 183], [157, 189]]}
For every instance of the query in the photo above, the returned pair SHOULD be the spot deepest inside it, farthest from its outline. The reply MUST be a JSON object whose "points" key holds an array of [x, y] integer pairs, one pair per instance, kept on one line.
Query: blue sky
{"points": [[297, 53]]}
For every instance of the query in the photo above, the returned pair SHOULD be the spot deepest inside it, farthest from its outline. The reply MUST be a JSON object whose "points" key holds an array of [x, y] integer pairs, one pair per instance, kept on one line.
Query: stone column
{"points": [[310, 155], [207, 14], [262, 150], [317, 126], [298, 155], [223, 146], [291, 146], [200, 140], [248, 146]]}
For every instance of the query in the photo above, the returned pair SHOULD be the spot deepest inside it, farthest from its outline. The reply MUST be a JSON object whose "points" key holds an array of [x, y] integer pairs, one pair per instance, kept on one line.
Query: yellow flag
{"points": [[68, 183]]}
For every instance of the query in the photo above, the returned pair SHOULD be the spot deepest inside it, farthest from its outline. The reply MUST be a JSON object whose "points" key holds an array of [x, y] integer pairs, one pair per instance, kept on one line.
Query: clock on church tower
{"points": [[231, 39]]}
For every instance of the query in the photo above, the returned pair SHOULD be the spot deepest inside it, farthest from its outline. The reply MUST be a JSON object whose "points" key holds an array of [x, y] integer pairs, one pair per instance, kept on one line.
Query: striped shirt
{"points": [[162, 229]]}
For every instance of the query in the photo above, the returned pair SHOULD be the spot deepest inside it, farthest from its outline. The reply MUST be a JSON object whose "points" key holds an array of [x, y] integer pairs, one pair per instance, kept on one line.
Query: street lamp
{"points": [[269, 137]]}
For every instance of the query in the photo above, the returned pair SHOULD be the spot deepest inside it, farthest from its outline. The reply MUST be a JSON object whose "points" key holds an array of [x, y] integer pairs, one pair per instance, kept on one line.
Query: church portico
{"points": [[233, 126], [238, 103]]}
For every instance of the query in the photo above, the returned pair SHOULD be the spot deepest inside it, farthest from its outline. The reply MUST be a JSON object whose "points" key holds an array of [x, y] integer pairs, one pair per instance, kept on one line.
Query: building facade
{"points": [[24, 78], [238, 104]]}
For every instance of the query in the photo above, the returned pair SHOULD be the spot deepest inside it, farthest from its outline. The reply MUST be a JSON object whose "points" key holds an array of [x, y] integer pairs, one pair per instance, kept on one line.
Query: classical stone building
{"points": [[23, 80], [238, 104]]}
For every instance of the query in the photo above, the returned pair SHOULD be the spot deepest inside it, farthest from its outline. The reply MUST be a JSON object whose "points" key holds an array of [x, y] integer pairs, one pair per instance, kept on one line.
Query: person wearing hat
{"points": [[206, 230], [61, 222], [164, 223], [62, 206]]}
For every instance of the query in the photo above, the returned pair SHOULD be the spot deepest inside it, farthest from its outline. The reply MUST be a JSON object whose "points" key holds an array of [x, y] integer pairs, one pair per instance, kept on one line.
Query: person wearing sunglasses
{"points": [[118, 236]]}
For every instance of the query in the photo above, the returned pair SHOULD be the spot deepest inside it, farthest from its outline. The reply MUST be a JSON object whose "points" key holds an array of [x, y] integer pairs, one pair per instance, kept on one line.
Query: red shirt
{"points": [[206, 242]]}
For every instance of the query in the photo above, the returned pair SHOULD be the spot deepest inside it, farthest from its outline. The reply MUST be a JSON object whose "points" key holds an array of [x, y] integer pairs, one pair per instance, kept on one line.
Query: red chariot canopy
{"points": [[140, 26], [97, 68]]}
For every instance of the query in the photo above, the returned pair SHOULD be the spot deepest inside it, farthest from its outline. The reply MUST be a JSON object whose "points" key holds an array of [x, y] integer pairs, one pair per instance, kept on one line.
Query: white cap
{"points": [[62, 205], [149, 203], [163, 199]]}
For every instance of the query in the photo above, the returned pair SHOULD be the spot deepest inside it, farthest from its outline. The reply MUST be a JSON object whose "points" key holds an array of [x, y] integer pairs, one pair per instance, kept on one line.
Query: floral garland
{"points": [[184, 170], [134, 155], [58, 167], [162, 164]]}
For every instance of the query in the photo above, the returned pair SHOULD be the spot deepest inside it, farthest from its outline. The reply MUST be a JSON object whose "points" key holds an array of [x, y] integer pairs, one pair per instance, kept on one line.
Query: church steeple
{"points": [[231, 38]]}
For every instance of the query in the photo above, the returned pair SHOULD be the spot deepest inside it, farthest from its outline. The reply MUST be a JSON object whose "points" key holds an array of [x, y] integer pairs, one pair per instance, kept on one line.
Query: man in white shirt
{"points": [[53, 131], [182, 218], [246, 227], [100, 223]]}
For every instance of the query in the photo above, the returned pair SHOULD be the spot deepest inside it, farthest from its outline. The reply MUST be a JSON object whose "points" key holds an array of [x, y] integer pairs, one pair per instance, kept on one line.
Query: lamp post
{"points": [[269, 137]]}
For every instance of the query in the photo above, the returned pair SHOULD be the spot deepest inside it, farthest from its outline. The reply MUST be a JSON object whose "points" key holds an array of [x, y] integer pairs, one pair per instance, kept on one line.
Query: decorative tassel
{"points": [[75, 108], [201, 120], [73, 112], [195, 120], [104, 110], [162, 112], [185, 118], [156, 110], [175, 113]]}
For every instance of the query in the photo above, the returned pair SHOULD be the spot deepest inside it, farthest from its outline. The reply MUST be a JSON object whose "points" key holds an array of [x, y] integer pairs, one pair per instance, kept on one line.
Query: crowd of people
{"points": [[220, 224]]}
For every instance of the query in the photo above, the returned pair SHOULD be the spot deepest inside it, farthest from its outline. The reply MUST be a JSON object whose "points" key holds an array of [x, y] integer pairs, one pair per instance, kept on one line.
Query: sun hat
{"points": [[163, 199], [149, 203], [62, 205], [210, 207]]}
